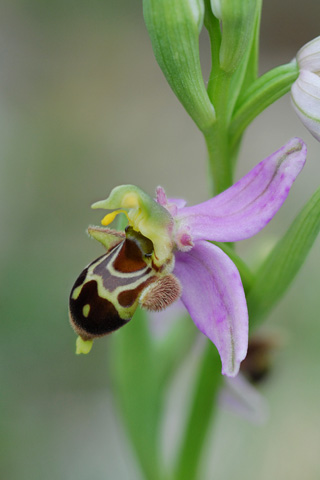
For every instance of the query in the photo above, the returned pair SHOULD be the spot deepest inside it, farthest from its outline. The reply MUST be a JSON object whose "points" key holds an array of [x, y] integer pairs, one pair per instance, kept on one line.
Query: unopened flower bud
{"points": [[174, 27]]}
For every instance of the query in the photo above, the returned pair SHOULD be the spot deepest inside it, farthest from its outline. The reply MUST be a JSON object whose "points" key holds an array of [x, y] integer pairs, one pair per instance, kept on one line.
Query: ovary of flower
{"points": [[305, 92], [211, 285]]}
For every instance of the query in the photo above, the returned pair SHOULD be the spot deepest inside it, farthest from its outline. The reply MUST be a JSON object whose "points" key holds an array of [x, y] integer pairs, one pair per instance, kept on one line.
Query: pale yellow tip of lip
{"points": [[83, 346]]}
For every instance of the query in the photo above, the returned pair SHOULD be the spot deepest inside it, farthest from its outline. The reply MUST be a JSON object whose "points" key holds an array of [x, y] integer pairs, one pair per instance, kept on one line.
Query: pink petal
{"points": [[245, 208], [213, 294]]}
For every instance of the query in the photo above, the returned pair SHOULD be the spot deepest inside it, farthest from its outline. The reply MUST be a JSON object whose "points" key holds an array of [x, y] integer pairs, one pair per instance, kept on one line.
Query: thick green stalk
{"points": [[220, 164]]}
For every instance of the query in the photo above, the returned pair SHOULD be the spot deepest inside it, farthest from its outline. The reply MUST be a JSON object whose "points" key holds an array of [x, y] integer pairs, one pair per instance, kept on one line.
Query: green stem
{"points": [[202, 410], [220, 163]]}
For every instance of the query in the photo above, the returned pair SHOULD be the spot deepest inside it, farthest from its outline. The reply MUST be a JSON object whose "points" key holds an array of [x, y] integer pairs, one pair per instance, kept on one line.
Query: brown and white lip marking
{"points": [[106, 294]]}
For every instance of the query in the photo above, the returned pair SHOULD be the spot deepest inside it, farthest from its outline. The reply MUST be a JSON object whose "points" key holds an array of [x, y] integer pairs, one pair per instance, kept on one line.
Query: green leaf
{"points": [[201, 413], [174, 348], [135, 375], [173, 26], [283, 263]]}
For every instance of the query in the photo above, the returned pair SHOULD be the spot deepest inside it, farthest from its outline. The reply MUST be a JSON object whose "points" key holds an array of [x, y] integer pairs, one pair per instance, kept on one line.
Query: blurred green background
{"points": [[84, 107]]}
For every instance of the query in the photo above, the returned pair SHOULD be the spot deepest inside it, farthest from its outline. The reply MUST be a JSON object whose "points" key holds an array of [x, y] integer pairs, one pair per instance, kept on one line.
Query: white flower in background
{"points": [[305, 91]]}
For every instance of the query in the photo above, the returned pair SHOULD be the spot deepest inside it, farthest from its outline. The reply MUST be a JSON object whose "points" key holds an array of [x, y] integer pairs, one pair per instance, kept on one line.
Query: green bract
{"points": [[174, 26], [238, 18]]}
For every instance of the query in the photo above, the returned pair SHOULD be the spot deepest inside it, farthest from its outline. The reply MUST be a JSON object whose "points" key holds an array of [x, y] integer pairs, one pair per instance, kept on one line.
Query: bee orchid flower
{"points": [[165, 254]]}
